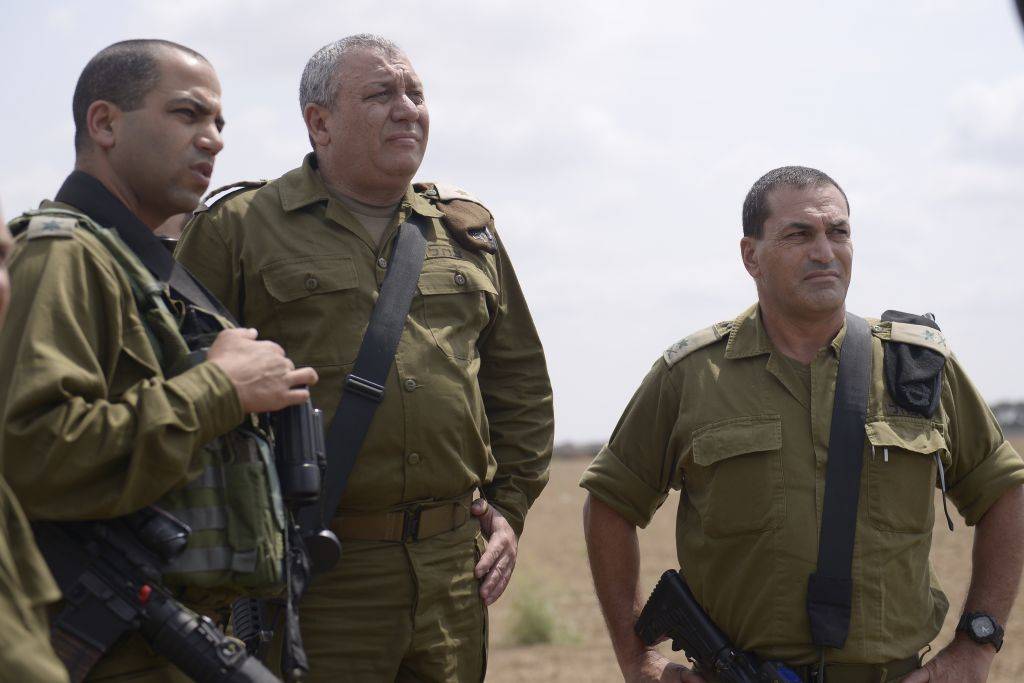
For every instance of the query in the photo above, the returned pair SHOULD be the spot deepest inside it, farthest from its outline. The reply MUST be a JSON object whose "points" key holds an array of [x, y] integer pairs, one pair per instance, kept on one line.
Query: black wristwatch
{"points": [[982, 629]]}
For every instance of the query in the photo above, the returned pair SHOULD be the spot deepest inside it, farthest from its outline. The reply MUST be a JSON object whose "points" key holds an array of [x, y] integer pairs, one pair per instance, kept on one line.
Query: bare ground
{"points": [[553, 565]]}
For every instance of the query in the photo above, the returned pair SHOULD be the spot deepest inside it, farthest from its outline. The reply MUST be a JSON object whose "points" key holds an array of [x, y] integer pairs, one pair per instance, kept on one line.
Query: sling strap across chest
{"points": [[830, 588], [363, 390]]}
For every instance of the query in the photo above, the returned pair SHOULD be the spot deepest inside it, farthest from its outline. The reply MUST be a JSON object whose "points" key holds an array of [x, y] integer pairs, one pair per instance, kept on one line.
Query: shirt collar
{"points": [[748, 336], [303, 186], [87, 194]]}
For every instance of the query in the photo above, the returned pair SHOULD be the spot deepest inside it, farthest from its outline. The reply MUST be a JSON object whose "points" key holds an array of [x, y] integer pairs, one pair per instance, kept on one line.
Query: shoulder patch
{"points": [[696, 341], [215, 197], [465, 216], [908, 333], [50, 226]]}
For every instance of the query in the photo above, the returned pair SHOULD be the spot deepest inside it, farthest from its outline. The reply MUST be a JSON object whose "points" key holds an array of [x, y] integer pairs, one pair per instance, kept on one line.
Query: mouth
{"points": [[822, 274], [403, 137], [204, 169]]}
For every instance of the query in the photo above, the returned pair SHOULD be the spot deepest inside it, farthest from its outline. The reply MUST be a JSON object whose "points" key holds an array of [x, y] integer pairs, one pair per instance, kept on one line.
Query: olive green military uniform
{"points": [[26, 588], [90, 427], [467, 404], [743, 432]]}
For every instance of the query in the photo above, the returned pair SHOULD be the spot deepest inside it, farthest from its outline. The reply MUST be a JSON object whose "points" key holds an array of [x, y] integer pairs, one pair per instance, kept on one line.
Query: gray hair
{"points": [[755, 206], [320, 82]]}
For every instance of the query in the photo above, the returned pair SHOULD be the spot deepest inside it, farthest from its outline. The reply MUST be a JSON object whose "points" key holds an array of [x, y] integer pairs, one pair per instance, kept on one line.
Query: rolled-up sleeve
{"points": [[985, 465], [633, 473]]}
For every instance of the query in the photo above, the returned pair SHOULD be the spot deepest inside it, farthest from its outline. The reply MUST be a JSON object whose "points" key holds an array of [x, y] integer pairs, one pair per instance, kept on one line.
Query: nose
{"points": [[210, 140], [821, 249], [404, 109]]}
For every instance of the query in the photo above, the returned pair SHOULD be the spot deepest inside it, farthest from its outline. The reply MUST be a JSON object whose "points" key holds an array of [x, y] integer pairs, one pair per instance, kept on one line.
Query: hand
{"points": [[263, 377], [499, 558], [653, 668], [961, 661]]}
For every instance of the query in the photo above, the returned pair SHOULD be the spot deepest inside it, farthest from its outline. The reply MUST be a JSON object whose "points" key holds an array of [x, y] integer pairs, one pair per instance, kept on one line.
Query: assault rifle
{"points": [[110, 573], [673, 612], [300, 457]]}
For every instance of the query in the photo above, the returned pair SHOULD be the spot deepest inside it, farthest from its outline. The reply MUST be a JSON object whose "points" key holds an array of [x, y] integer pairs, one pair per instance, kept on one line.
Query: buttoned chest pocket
{"points": [[902, 473], [315, 308], [735, 481], [455, 307]]}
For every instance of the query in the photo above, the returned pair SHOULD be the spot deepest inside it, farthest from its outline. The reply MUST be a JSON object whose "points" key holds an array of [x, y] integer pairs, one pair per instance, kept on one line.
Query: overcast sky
{"points": [[615, 143]]}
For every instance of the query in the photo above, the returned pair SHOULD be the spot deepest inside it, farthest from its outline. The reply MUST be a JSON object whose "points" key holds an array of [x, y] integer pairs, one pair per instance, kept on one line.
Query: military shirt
{"points": [[90, 426], [26, 588], [736, 429], [468, 400]]}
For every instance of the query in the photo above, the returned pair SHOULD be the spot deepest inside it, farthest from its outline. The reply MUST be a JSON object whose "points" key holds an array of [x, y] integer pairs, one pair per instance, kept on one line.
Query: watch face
{"points": [[982, 627]]}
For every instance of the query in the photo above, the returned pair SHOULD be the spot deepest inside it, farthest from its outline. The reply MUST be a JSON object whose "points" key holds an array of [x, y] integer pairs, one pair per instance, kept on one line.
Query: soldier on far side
{"points": [[807, 545], [26, 587]]}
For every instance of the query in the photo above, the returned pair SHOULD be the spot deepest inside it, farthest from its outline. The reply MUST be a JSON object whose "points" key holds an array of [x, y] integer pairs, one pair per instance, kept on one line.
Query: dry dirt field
{"points": [[553, 572]]}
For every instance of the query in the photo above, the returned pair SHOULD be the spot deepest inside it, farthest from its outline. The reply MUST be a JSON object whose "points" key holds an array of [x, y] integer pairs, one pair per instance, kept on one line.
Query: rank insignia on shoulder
{"points": [[910, 333], [446, 193], [214, 197], [696, 341], [50, 226]]}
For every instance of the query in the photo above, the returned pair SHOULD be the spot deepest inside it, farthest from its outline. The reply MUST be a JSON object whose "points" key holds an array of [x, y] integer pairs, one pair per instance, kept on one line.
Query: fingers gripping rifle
{"points": [[110, 573], [672, 612]]}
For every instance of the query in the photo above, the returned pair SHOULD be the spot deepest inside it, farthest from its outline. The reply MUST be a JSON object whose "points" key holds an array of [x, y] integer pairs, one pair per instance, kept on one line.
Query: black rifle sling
{"points": [[830, 589], [364, 387]]}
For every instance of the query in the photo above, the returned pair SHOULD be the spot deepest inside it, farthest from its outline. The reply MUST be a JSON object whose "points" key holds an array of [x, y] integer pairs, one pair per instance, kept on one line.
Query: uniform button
{"points": [[410, 384], [382, 262], [312, 283], [460, 279], [414, 458]]}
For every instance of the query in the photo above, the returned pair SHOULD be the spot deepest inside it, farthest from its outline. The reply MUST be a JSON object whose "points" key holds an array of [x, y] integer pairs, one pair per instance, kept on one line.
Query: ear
{"points": [[748, 252], [101, 121], [316, 124]]}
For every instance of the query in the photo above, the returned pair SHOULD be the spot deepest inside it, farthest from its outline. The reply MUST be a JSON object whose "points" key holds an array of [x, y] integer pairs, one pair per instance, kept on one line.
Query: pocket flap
{"points": [[455, 279], [301, 277], [917, 436], [737, 436]]}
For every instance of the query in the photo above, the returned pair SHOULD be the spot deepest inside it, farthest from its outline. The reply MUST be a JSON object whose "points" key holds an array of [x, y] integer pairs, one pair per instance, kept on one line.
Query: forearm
{"points": [[94, 457], [998, 557], [614, 554]]}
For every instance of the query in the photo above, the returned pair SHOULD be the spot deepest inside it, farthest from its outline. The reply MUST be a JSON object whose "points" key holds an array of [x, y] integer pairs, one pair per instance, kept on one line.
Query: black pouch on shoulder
{"points": [[913, 374]]}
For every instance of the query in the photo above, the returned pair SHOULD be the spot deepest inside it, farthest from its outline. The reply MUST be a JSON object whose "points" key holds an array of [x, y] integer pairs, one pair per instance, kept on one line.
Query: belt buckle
{"points": [[411, 523]]}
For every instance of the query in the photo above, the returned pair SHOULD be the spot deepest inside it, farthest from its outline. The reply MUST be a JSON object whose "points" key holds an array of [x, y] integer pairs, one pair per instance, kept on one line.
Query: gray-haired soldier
{"points": [[466, 404]]}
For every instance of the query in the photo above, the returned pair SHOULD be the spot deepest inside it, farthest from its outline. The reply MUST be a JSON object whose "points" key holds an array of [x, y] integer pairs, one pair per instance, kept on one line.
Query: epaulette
{"points": [[46, 223], [215, 197], [465, 216], [909, 333], [698, 340]]}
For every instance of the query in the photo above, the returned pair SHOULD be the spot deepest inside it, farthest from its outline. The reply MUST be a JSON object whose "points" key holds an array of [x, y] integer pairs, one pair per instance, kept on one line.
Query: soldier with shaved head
{"points": [[122, 384]]}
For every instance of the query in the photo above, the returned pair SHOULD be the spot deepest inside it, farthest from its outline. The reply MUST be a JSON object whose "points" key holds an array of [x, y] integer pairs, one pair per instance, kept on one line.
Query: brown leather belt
{"points": [[410, 523], [858, 673]]}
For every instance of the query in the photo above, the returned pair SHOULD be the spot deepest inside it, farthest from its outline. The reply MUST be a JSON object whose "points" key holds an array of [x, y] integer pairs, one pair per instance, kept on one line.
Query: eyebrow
{"points": [[201, 106]]}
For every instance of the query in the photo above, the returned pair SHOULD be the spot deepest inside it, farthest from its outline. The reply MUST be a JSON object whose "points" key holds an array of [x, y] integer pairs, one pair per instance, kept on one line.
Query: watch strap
{"points": [[995, 639]]}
